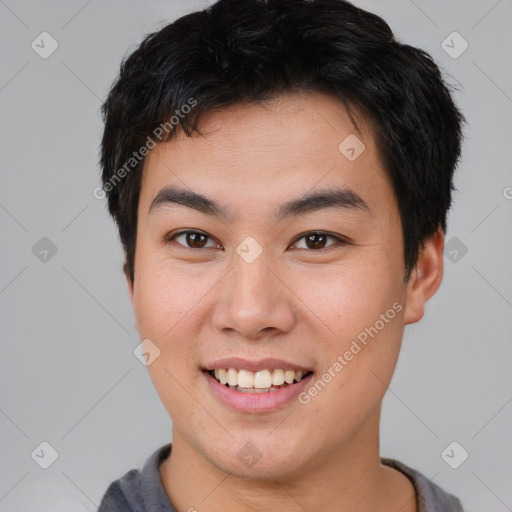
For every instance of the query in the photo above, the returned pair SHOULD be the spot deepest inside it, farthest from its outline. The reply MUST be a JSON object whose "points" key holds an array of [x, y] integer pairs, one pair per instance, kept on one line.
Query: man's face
{"points": [[297, 285]]}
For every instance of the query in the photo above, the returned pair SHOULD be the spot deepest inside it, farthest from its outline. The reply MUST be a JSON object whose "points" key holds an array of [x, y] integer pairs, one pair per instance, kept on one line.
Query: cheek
{"points": [[160, 309], [360, 326], [351, 296], [359, 354], [162, 297], [166, 308]]}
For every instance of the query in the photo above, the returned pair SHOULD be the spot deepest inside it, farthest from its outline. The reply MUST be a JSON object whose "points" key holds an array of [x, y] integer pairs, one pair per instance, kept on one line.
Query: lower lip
{"points": [[256, 402]]}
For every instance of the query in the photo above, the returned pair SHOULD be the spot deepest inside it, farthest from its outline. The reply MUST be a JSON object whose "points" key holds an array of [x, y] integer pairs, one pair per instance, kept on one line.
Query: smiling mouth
{"points": [[263, 381]]}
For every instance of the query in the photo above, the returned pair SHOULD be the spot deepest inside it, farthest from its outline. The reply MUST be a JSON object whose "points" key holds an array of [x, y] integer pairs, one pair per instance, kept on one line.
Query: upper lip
{"points": [[257, 365]]}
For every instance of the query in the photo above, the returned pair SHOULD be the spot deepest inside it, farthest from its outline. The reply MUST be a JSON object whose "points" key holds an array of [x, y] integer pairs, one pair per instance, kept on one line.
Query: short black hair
{"points": [[238, 51]]}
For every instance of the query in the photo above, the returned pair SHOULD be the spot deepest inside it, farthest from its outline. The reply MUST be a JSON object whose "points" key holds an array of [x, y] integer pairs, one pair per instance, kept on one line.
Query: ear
{"points": [[426, 277]]}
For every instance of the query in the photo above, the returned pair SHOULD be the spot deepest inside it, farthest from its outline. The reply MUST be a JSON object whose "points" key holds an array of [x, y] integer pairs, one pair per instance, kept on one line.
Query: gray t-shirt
{"points": [[143, 491]]}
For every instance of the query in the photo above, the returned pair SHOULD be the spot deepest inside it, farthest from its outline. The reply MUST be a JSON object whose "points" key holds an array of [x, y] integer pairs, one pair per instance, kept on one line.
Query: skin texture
{"points": [[294, 302]]}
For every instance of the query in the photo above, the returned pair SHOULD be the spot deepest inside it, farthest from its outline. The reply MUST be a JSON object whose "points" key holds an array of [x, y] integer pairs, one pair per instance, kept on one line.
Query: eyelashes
{"points": [[312, 239], [196, 237]]}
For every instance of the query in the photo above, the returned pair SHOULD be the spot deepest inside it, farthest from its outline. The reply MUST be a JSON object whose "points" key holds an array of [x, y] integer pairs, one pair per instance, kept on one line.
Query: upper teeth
{"points": [[260, 380]]}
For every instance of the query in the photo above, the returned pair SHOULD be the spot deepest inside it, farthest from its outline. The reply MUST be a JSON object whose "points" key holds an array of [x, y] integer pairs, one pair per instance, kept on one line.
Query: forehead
{"points": [[287, 145]]}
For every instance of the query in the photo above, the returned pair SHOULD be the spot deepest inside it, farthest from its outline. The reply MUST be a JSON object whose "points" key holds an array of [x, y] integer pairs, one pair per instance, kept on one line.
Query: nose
{"points": [[254, 301]]}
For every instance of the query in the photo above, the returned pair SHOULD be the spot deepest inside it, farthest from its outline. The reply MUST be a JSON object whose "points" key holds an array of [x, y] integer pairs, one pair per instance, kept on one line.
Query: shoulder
{"points": [[431, 497], [123, 494], [138, 490]]}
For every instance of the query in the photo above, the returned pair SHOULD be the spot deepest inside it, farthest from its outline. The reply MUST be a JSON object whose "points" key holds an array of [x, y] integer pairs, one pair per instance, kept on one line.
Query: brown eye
{"points": [[196, 239], [317, 240], [190, 239]]}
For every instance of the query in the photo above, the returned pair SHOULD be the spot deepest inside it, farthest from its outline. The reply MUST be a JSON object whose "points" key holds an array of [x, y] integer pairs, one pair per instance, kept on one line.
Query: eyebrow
{"points": [[331, 197]]}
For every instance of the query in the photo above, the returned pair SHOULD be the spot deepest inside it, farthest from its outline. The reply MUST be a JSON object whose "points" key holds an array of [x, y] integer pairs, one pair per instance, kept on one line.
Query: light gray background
{"points": [[68, 373]]}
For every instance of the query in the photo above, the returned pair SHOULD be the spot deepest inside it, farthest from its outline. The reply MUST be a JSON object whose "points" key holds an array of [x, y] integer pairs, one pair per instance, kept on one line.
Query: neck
{"points": [[351, 479]]}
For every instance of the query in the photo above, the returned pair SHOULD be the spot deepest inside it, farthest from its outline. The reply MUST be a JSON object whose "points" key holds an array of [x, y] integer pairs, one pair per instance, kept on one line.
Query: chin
{"points": [[260, 458]]}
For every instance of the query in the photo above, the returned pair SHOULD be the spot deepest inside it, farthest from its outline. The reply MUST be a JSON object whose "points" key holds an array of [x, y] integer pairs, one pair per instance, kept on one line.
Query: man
{"points": [[280, 173]]}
